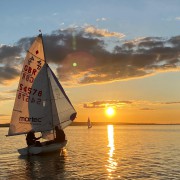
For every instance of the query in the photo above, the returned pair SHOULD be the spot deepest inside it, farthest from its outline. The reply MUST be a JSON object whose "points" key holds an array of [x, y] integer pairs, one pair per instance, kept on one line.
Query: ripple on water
{"points": [[118, 152]]}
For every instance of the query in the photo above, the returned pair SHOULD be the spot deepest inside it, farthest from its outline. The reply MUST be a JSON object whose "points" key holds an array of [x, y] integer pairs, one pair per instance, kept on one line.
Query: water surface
{"points": [[102, 152]]}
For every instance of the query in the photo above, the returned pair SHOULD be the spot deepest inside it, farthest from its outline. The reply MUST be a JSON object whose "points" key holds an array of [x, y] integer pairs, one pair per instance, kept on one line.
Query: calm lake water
{"points": [[102, 152]]}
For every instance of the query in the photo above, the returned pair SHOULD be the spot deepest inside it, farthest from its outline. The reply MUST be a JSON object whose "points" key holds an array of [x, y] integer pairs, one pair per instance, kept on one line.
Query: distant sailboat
{"points": [[89, 123], [41, 103]]}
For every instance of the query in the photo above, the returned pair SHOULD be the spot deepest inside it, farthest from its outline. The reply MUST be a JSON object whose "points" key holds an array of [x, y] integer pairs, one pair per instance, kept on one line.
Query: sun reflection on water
{"points": [[112, 164]]}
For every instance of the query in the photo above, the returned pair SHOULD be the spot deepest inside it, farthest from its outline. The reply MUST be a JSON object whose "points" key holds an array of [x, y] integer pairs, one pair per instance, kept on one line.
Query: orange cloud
{"points": [[81, 58], [103, 32]]}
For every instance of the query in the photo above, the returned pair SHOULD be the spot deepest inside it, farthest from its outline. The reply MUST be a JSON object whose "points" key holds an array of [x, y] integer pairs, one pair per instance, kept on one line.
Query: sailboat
{"points": [[41, 102], [89, 123]]}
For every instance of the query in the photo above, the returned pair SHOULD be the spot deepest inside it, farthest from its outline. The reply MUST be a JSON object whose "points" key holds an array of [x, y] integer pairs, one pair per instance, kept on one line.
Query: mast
{"points": [[40, 35]]}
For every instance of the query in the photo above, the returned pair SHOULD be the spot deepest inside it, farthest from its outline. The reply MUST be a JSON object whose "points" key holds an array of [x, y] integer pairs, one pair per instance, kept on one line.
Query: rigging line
{"points": [[17, 110], [36, 56], [65, 121]]}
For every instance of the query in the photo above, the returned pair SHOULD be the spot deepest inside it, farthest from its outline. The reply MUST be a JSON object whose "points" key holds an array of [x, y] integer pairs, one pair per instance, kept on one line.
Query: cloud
{"points": [[10, 59], [8, 73], [177, 18], [55, 14], [101, 19], [132, 104], [2, 98], [171, 103], [4, 115], [107, 103], [147, 109], [10, 91], [103, 32], [88, 48], [8, 53]]}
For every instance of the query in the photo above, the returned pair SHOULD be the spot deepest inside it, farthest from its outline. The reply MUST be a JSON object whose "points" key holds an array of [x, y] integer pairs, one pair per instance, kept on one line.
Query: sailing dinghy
{"points": [[89, 123], [41, 102]]}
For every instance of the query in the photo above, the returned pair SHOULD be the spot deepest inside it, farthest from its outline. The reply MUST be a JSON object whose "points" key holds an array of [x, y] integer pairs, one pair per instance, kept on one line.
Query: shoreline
{"points": [[104, 123]]}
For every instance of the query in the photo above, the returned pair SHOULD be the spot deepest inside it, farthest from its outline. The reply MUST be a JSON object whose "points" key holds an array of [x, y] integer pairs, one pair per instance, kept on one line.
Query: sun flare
{"points": [[110, 111]]}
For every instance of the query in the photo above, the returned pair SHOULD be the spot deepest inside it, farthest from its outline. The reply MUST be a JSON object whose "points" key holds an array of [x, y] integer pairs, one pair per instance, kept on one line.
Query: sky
{"points": [[121, 54]]}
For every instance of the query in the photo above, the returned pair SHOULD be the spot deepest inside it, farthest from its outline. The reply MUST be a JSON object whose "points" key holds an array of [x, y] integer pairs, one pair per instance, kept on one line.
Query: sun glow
{"points": [[112, 164], [110, 111]]}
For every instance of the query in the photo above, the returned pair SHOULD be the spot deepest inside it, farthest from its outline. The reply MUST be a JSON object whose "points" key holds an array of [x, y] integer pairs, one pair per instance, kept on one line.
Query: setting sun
{"points": [[110, 111]]}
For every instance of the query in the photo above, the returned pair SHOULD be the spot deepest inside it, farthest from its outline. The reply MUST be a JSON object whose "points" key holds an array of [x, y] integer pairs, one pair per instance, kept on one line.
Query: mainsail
{"points": [[41, 102]]}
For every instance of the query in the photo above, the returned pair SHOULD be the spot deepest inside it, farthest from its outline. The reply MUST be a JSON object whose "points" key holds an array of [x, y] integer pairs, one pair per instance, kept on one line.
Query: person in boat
{"points": [[31, 139], [60, 135]]}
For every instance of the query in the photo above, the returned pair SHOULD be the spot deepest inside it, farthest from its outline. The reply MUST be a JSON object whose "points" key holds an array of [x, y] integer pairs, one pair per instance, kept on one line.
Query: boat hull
{"points": [[34, 150]]}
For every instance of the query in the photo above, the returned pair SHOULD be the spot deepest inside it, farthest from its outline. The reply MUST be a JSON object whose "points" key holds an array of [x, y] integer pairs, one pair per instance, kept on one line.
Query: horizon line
{"points": [[106, 123]]}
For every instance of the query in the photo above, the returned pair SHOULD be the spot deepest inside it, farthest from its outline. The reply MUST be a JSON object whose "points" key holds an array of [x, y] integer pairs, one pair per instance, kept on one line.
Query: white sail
{"points": [[89, 123], [32, 108], [40, 102], [48, 135], [62, 109], [63, 113]]}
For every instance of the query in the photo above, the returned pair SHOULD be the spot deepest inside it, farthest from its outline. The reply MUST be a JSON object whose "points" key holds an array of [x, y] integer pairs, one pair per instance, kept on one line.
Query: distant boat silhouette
{"points": [[89, 123]]}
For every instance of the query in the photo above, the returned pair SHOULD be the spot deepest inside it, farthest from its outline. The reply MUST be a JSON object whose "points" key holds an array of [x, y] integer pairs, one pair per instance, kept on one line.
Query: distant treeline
{"points": [[4, 125], [114, 123], [102, 124]]}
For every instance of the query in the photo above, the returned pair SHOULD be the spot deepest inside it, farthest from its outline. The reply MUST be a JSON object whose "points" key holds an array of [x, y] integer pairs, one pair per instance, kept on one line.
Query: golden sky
{"points": [[124, 55], [138, 80]]}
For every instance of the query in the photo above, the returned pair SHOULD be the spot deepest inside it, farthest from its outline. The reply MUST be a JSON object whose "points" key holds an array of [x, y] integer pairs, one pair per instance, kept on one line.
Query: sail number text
{"points": [[30, 90], [29, 72], [25, 94]]}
